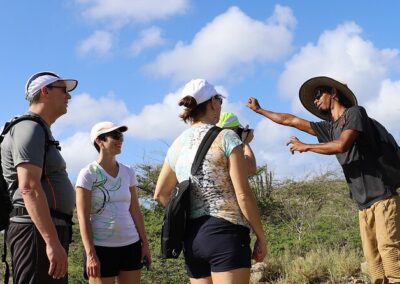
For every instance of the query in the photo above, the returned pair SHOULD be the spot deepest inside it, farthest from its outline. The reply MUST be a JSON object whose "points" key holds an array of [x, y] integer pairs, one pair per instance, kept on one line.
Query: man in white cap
{"points": [[43, 197], [347, 132]]}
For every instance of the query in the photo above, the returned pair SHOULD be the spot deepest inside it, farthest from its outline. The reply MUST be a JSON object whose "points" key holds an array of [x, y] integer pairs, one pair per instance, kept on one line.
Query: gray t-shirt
{"points": [[25, 143], [359, 162]]}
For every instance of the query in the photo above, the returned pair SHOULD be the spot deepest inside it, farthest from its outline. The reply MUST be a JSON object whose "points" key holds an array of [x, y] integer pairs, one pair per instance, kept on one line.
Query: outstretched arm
{"points": [[281, 118], [340, 145]]}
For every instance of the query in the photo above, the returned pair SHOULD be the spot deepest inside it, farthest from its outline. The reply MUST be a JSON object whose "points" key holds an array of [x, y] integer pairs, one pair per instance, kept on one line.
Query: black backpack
{"points": [[176, 212], [388, 154]]}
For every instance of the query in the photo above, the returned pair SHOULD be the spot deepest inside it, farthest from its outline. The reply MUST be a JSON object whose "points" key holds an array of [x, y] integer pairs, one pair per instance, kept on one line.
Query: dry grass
{"points": [[320, 265]]}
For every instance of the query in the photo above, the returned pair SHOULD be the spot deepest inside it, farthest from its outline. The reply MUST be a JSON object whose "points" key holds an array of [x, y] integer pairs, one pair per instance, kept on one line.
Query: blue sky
{"points": [[132, 58]]}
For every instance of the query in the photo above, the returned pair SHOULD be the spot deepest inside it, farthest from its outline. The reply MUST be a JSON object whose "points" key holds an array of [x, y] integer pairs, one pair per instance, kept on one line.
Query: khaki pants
{"points": [[380, 235]]}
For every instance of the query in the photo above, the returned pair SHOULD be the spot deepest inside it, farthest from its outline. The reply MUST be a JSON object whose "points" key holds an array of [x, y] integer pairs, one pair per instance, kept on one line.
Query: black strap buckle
{"points": [[19, 211]]}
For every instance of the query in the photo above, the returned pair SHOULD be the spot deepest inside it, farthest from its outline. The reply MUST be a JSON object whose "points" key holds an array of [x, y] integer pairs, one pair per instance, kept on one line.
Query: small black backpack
{"points": [[177, 210], [388, 154]]}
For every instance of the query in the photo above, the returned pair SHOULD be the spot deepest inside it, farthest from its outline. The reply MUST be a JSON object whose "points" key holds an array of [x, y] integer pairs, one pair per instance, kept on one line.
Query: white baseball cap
{"points": [[42, 79], [105, 127], [200, 90]]}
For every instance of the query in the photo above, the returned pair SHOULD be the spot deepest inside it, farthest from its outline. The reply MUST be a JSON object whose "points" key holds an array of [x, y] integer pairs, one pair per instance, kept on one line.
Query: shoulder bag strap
{"points": [[204, 146]]}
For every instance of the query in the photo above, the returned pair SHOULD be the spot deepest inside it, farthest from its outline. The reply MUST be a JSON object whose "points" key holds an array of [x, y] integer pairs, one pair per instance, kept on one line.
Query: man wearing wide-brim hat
{"points": [[346, 131]]}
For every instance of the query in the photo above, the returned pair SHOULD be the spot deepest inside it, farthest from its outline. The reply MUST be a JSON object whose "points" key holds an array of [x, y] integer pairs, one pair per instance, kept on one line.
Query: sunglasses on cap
{"points": [[116, 135]]}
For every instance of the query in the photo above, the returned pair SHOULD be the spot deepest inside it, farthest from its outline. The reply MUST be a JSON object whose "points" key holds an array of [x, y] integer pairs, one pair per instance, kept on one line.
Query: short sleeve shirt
{"points": [[111, 221], [358, 163], [212, 193], [25, 143]]}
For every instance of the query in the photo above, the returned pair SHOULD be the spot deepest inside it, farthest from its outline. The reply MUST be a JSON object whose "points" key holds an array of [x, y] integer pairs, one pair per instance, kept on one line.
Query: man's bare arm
{"points": [[281, 118], [29, 184], [340, 145]]}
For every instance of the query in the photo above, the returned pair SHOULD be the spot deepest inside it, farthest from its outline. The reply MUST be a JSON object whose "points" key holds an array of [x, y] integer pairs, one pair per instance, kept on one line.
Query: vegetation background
{"points": [[312, 229]]}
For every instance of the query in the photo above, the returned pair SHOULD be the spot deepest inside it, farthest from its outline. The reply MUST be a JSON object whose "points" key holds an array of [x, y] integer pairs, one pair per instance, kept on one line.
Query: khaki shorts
{"points": [[380, 235]]}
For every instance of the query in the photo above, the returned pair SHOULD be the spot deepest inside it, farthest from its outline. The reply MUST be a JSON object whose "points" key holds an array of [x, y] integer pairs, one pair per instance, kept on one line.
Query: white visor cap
{"points": [[39, 80]]}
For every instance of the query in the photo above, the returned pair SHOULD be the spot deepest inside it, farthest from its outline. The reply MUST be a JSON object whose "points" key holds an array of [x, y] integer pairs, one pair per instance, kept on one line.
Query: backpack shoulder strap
{"points": [[48, 142], [16, 120], [204, 146]]}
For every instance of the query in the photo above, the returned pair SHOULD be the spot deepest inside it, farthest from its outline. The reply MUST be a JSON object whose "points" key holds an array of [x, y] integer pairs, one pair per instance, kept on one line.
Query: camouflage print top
{"points": [[213, 193]]}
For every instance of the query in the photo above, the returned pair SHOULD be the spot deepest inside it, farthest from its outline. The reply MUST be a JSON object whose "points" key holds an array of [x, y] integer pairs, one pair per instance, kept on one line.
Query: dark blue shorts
{"points": [[116, 259], [217, 245]]}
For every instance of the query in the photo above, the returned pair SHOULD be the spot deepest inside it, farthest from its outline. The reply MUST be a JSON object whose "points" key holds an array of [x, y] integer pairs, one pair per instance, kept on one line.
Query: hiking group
{"points": [[222, 210]]}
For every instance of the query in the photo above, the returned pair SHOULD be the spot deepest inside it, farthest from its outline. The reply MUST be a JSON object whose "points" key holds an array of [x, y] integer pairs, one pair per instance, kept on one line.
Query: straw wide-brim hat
{"points": [[307, 92]]}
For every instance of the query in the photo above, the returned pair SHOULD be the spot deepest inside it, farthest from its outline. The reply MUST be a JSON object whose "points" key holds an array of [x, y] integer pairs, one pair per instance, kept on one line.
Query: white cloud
{"points": [[385, 107], [148, 38], [343, 54], [228, 45], [84, 111], [99, 43], [282, 16], [77, 152], [123, 12], [157, 121]]}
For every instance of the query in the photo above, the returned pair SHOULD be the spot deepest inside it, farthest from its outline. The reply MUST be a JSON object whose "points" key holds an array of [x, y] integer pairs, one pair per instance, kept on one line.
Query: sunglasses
{"points": [[63, 88], [318, 94], [219, 98], [116, 135], [320, 91]]}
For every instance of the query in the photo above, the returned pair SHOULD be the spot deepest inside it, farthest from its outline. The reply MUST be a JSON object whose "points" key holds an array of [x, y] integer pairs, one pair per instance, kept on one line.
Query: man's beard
{"points": [[325, 111]]}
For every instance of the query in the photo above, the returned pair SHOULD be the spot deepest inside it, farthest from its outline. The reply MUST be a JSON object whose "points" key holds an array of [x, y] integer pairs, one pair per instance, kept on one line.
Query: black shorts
{"points": [[28, 253], [217, 245], [116, 259]]}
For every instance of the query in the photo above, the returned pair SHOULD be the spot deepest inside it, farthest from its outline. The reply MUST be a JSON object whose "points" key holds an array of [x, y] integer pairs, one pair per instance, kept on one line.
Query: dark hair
{"points": [[192, 110], [343, 99], [333, 91], [102, 137], [97, 147], [325, 89]]}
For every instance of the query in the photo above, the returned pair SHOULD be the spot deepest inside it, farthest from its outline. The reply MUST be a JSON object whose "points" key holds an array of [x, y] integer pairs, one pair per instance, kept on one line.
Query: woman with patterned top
{"points": [[223, 207], [110, 221]]}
